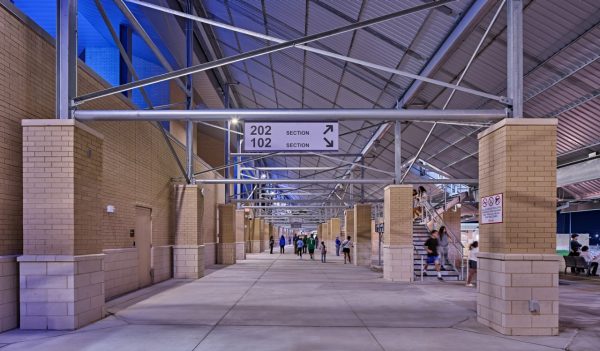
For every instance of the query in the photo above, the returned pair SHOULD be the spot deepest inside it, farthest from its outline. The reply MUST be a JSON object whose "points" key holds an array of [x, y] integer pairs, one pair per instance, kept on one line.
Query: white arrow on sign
{"points": [[291, 136]]}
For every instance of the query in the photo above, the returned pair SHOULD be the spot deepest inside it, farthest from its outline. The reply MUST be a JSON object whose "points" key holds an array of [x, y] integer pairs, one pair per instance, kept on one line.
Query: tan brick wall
{"points": [[137, 165], [518, 158]]}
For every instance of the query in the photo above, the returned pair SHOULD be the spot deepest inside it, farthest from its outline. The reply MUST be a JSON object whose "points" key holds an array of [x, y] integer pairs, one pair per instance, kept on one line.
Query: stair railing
{"points": [[431, 214]]}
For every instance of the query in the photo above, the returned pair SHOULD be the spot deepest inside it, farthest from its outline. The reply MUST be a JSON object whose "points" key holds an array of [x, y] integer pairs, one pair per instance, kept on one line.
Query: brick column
{"points": [[518, 265], [62, 267], [452, 219], [362, 235], [334, 230], [348, 225], [188, 251], [227, 231], [255, 241], [240, 241], [326, 227], [398, 233]]}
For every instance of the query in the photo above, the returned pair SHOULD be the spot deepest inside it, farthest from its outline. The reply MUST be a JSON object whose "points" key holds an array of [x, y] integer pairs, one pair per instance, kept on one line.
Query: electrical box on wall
{"points": [[110, 209], [131, 233]]}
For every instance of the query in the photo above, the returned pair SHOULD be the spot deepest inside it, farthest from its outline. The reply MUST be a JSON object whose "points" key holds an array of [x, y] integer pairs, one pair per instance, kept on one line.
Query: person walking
{"points": [[300, 244], [311, 243], [317, 241], [271, 244], [295, 241], [431, 246], [282, 244], [338, 243], [346, 246], [304, 241], [323, 252], [444, 239], [473, 251]]}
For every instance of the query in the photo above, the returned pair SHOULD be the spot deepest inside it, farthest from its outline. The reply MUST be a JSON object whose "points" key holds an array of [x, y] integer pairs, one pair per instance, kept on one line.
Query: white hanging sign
{"points": [[491, 209], [290, 136]]}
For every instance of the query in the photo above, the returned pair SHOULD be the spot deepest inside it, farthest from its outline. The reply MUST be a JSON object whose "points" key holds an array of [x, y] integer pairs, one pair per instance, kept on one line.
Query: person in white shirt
{"points": [[473, 251], [346, 246], [591, 261]]}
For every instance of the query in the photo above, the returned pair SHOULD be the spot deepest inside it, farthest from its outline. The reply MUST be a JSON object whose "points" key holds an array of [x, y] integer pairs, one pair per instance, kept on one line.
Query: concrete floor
{"points": [[277, 302]]}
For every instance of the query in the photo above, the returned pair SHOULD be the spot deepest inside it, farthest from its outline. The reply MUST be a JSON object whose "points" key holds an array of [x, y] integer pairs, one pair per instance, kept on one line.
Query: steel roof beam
{"points": [[286, 114], [255, 53], [347, 59]]}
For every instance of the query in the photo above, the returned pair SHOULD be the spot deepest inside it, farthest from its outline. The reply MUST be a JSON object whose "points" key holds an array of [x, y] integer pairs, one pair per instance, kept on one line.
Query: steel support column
{"points": [[397, 152], [514, 50], [189, 93], [66, 57]]}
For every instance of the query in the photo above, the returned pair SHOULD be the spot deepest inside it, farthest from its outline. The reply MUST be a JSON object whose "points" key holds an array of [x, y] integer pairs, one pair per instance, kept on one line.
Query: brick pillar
{"points": [[398, 262], [240, 241], [348, 225], [62, 267], [255, 242], [374, 243], [334, 230], [362, 235], [320, 231], [327, 230], [517, 262], [247, 231], [273, 233], [452, 218], [227, 231], [188, 251]]}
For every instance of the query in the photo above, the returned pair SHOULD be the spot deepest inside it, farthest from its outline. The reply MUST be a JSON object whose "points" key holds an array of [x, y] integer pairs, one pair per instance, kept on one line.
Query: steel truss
{"points": [[67, 101]]}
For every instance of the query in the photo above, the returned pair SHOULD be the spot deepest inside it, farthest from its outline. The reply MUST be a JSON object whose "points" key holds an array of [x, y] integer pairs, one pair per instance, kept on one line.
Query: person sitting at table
{"points": [[591, 261]]}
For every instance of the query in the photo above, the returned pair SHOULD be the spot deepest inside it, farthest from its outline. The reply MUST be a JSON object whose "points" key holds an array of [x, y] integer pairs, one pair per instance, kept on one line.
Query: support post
{"points": [[66, 57], [62, 266], [514, 50], [227, 230], [397, 152], [362, 235], [518, 266], [189, 128], [398, 262], [188, 251], [227, 143]]}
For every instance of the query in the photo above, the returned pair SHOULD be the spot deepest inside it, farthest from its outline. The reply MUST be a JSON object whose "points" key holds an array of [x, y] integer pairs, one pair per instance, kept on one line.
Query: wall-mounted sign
{"points": [[290, 136], [491, 209], [296, 225]]}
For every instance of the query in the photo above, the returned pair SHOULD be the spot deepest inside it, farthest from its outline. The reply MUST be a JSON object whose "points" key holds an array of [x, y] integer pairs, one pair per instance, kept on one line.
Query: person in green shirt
{"points": [[305, 240], [311, 243]]}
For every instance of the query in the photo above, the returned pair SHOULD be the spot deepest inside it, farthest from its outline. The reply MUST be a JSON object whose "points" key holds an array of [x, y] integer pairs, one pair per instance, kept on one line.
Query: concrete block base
{"points": [[507, 283], [162, 263], [255, 246], [398, 263], [61, 292], [240, 251], [188, 261], [9, 293], [226, 253], [362, 254]]}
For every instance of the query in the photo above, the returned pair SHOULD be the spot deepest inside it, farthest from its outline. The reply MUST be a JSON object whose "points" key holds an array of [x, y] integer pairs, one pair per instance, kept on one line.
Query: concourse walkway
{"points": [[278, 302]]}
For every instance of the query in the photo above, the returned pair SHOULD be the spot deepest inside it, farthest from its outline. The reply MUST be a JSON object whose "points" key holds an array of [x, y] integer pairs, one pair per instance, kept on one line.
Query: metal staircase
{"points": [[420, 235]]}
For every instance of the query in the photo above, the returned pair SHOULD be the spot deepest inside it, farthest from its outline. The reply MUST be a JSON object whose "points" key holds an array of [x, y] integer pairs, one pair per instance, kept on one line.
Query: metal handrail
{"points": [[456, 244]]}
